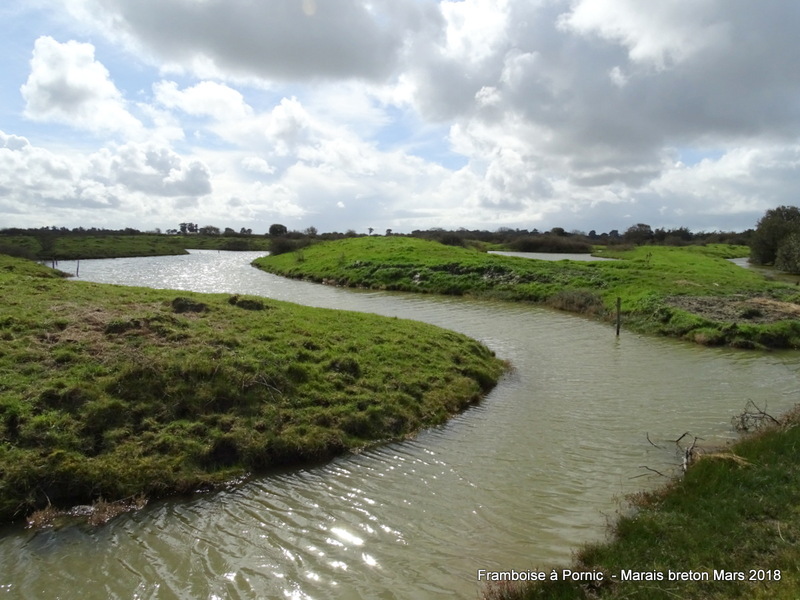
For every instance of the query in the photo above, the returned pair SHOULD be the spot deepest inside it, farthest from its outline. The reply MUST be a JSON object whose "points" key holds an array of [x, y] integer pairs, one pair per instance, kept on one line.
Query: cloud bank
{"points": [[404, 114]]}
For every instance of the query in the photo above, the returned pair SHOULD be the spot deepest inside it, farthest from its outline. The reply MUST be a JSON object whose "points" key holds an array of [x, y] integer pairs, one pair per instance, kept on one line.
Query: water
{"points": [[516, 482], [767, 271]]}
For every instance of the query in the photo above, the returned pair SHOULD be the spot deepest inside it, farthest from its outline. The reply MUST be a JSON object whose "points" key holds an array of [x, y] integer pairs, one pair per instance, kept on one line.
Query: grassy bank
{"points": [[691, 292], [108, 391], [732, 524], [53, 246]]}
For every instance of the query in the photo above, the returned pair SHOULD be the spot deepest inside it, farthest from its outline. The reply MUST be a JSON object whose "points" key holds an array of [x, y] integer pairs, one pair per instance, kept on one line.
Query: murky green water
{"points": [[516, 482]]}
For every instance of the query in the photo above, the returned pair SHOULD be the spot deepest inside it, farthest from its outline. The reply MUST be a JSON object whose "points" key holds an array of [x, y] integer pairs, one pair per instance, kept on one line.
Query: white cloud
{"points": [[474, 29], [112, 185], [583, 114], [664, 34], [152, 169], [207, 98], [257, 164], [67, 85]]}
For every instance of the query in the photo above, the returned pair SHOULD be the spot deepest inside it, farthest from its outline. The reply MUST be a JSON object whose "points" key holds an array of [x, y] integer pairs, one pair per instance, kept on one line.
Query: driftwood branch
{"points": [[649, 469], [647, 435], [753, 418], [687, 453]]}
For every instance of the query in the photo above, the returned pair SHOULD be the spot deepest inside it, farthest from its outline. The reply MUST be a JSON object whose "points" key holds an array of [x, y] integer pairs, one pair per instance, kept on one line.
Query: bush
{"points": [[17, 251], [771, 231], [284, 245], [550, 243], [451, 239], [788, 255]]}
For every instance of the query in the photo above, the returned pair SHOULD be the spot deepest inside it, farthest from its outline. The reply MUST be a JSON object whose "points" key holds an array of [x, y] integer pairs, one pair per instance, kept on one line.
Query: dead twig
{"points": [[649, 469], [753, 418], [647, 435]]}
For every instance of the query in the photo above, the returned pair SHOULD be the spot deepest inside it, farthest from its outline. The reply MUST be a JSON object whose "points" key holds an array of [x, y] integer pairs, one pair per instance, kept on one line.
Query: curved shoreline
{"points": [[647, 280]]}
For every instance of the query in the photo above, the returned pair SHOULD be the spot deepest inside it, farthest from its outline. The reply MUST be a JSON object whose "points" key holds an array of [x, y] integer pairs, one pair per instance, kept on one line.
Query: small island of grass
{"points": [[691, 292], [111, 392]]}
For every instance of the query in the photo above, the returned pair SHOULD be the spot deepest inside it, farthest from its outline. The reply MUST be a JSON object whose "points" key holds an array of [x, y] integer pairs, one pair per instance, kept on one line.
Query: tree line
{"points": [[774, 241]]}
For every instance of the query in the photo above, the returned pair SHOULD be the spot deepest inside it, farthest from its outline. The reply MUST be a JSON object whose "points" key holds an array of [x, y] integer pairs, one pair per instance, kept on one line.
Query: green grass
{"points": [[734, 512], [108, 391], [648, 280], [78, 246]]}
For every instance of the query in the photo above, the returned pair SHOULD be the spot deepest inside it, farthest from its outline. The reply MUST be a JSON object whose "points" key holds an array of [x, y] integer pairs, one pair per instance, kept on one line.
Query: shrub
{"points": [[788, 255], [282, 245], [550, 243], [772, 229], [451, 239]]}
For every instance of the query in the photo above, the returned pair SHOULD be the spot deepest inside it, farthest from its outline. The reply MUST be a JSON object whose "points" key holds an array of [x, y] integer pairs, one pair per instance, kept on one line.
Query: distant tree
{"points": [[388, 232], [244, 231], [558, 231], [370, 230], [184, 227], [771, 231], [451, 239], [229, 231], [209, 230], [350, 233], [276, 230], [639, 234], [311, 231]]}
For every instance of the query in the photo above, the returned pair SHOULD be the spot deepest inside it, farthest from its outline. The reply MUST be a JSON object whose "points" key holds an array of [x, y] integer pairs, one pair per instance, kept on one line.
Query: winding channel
{"points": [[517, 482]]}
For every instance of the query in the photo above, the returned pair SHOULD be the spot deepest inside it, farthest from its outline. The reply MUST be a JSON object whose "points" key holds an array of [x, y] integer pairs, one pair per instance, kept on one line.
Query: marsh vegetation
{"points": [[661, 288]]}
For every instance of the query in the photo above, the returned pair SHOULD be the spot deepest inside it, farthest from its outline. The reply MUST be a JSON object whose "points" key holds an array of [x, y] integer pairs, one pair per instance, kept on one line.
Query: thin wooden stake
{"points": [[78, 268], [619, 313]]}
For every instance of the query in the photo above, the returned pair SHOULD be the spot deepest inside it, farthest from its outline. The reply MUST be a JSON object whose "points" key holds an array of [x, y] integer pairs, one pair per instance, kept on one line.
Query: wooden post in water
{"points": [[619, 313], [78, 268]]}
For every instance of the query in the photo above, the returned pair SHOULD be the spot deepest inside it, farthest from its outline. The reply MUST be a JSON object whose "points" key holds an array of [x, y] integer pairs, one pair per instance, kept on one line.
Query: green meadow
{"points": [[111, 392], [690, 292]]}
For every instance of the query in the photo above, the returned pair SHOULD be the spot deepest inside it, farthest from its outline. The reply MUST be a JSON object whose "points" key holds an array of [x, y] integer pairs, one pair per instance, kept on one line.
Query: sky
{"points": [[398, 114]]}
